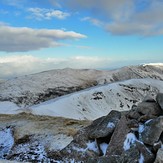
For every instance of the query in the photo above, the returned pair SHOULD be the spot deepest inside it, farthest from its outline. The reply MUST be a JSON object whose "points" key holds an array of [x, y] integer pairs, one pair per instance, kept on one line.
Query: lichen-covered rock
{"points": [[159, 99], [106, 125], [152, 130], [159, 157]]}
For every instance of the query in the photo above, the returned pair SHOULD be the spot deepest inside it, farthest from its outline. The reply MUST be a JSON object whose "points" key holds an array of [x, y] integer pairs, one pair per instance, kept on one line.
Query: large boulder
{"points": [[118, 138], [152, 130], [159, 99], [149, 108], [105, 126]]}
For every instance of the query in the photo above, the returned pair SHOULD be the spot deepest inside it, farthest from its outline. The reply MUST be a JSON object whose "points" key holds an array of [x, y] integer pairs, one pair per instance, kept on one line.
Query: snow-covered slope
{"points": [[99, 101], [34, 89]]}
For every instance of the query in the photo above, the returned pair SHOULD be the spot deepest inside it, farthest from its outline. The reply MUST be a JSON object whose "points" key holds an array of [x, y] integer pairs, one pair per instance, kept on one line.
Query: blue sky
{"points": [[37, 35]]}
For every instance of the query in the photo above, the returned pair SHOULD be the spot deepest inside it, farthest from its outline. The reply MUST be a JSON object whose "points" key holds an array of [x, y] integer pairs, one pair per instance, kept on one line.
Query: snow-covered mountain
{"points": [[93, 102], [99, 101], [36, 88]]}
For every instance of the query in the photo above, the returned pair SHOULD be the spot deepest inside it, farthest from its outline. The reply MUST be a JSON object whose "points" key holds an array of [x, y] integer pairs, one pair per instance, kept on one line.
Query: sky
{"points": [[39, 35]]}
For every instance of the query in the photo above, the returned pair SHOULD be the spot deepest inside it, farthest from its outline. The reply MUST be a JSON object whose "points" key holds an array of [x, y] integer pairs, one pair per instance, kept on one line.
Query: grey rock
{"points": [[133, 124], [149, 108], [157, 146], [148, 99], [105, 126], [152, 131], [133, 114], [118, 138], [109, 159], [159, 99], [146, 153], [130, 156], [159, 157]]}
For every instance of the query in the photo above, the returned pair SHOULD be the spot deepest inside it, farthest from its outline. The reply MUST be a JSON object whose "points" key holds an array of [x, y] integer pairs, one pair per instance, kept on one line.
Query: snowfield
{"points": [[94, 102], [99, 101]]}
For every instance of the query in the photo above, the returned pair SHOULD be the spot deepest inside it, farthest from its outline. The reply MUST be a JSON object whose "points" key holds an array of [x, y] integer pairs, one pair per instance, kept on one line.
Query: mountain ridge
{"points": [[33, 89]]}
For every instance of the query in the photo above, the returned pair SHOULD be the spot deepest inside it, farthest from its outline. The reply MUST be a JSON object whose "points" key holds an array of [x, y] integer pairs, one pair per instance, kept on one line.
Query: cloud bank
{"points": [[12, 66], [21, 39]]}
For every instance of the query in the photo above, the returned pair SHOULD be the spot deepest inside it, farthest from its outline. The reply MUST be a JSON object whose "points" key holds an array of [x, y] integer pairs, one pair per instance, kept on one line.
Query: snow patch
{"points": [[141, 159], [130, 139], [79, 149], [153, 64], [7, 107], [111, 125], [141, 128], [104, 147], [92, 146], [148, 121], [6, 141]]}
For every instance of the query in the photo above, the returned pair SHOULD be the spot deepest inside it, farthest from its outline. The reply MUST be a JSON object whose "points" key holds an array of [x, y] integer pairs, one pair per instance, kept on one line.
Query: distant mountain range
{"points": [[105, 90]]}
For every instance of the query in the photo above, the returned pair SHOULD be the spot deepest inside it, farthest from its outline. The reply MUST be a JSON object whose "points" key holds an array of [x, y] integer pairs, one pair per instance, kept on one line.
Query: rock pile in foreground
{"points": [[120, 137]]}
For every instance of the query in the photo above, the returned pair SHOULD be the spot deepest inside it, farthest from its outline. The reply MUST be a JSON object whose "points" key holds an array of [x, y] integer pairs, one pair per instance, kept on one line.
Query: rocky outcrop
{"points": [[135, 137], [119, 137]]}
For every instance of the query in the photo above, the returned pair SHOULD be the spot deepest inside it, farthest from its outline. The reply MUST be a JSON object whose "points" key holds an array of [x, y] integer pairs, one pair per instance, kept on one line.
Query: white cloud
{"points": [[18, 39], [94, 21], [42, 13], [123, 17], [11, 66]]}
